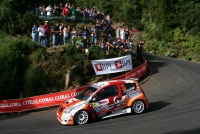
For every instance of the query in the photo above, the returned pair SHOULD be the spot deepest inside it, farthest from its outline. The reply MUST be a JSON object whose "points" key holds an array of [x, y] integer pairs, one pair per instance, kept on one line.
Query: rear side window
{"points": [[127, 88]]}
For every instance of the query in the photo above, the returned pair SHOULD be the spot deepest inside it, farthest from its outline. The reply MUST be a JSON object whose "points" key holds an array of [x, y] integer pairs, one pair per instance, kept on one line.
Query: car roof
{"points": [[110, 82]]}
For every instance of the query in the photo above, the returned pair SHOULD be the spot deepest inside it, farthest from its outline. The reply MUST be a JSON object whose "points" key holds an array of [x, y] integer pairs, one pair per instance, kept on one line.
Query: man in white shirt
{"points": [[49, 10], [41, 31]]}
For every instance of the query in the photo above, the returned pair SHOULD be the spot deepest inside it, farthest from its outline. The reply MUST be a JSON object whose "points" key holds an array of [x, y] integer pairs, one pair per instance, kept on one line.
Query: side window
{"points": [[127, 88], [107, 92]]}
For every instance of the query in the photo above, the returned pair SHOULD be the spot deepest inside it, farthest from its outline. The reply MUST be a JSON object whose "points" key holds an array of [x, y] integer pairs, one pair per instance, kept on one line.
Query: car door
{"points": [[105, 100]]}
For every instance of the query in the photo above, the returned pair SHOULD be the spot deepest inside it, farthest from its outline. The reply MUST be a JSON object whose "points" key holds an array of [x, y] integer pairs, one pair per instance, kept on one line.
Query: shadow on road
{"points": [[154, 62], [193, 131], [154, 106]]}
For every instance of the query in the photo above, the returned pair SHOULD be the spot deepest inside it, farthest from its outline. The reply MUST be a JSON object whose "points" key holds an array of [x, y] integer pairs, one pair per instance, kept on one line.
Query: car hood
{"points": [[73, 102]]}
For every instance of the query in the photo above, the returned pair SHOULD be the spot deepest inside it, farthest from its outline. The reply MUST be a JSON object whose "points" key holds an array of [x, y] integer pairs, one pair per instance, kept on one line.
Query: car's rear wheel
{"points": [[82, 117], [138, 107]]}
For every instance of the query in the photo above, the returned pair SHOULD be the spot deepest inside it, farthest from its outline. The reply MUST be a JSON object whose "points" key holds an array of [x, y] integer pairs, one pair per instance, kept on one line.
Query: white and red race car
{"points": [[102, 100]]}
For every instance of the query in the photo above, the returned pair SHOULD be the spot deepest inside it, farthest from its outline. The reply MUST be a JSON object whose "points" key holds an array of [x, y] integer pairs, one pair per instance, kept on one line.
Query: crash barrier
{"points": [[53, 99]]}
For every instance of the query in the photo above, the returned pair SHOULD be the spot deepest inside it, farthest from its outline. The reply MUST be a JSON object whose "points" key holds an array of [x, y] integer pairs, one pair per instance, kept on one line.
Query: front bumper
{"points": [[65, 119]]}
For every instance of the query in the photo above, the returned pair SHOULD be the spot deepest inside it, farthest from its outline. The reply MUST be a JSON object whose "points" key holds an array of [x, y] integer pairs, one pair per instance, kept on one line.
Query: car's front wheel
{"points": [[138, 107], [82, 117]]}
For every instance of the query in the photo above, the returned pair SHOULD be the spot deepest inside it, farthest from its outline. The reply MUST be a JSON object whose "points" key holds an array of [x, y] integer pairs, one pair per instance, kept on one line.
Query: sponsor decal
{"points": [[94, 104], [102, 66], [122, 63], [118, 64], [98, 67], [104, 101], [119, 102], [127, 91], [99, 84], [102, 114], [70, 120], [78, 106], [102, 108], [98, 109], [134, 94], [15, 104]]}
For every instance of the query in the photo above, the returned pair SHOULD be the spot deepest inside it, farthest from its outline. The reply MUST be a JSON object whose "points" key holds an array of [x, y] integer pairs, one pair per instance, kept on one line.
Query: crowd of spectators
{"points": [[89, 36], [67, 10]]}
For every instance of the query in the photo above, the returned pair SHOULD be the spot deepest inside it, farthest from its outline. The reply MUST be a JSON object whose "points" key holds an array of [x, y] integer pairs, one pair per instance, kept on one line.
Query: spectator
{"points": [[36, 10], [80, 45], [66, 10], [41, 35], [118, 32], [108, 45], [34, 33], [49, 11], [65, 34], [102, 44], [91, 13], [86, 12], [141, 43], [73, 12], [122, 35], [94, 38], [73, 36], [104, 24], [110, 37], [78, 10], [139, 50], [55, 32], [126, 33], [128, 45], [60, 7], [43, 10], [85, 33], [108, 19], [94, 28], [87, 43], [118, 43], [60, 36], [56, 10], [98, 24], [69, 6], [98, 15], [47, 33]]}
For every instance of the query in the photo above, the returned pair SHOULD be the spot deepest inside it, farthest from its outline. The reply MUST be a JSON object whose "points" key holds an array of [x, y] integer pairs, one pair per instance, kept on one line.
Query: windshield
{"points": [[85, 94]]}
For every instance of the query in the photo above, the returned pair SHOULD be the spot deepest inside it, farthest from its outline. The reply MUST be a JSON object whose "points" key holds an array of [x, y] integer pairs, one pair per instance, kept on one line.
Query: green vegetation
{"points": [[169, 28], [28, 69]]}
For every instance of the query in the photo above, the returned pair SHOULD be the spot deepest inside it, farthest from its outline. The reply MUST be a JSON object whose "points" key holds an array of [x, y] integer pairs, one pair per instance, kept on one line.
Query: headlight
{"points": [[68, 110]]}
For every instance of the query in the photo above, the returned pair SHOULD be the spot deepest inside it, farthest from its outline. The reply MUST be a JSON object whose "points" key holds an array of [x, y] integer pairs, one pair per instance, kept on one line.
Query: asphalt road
{"points": [[173, 92]]}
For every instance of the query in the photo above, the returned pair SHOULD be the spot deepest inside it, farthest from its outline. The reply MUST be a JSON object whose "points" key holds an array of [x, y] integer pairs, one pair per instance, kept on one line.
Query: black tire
{"points": [[82, 117], [138, 107]]}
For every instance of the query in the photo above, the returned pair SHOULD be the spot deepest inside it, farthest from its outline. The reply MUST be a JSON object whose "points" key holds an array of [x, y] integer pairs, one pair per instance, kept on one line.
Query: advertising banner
{"points": [[35, 102], [113, 65]]}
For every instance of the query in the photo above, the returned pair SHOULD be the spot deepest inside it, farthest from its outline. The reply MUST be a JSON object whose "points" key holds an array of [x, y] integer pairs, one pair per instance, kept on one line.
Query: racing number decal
{"points": [[123, 87]]}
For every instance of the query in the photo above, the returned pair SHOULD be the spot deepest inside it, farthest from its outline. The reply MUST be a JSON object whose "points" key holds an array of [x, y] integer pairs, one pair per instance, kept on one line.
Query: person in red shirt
{"points": [[47, 33], [66, 11], [108, 45]]}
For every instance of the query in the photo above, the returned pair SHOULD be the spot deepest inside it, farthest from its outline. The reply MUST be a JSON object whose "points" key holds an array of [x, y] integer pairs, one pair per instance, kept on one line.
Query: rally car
{"points": [[102, 100]]}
